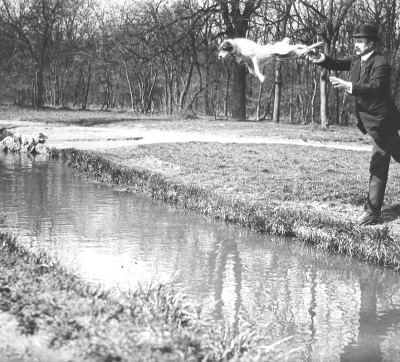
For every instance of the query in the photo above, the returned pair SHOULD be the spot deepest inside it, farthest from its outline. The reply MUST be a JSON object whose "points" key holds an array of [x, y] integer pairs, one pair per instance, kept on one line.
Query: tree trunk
{"points": [[226, 99], [150, 94], [278, 66], [260, 93], [236, 16], [278, 92], [39, 88], [314, 96], [86, 88], [186, 85], [128, 80], [239, 92], [324, 99]]}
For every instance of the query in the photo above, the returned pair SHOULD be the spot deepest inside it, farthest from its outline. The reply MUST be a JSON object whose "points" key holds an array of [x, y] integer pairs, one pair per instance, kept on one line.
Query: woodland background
{"points": [[160, 56]]}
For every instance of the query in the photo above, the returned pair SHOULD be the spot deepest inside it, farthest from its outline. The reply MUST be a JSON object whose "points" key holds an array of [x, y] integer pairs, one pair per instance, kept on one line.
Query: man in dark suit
{"points": [[376, 112]]}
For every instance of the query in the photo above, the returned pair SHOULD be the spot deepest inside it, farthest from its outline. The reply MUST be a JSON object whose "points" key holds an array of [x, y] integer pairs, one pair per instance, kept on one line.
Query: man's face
{"points": [[363, 46]]}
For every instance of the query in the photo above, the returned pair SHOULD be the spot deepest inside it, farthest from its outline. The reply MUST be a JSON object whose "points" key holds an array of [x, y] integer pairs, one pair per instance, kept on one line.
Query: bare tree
{"points": [[236, 17], [72, 52], [282, 32], [385, 14], [161, 56], [33, 23], [327, 20]]}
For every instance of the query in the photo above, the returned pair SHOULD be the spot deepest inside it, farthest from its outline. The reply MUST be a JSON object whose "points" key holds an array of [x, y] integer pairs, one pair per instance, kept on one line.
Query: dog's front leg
{"points": [[250, 68], [257, 70]]}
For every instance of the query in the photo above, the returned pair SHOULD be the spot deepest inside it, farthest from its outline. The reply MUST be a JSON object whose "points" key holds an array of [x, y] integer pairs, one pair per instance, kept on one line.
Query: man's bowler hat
{"points": [[367, 30]]}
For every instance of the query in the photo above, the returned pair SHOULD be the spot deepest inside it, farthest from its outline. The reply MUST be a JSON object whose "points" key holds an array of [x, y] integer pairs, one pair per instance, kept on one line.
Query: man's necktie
{"points": [[361, 65], [361, 68]]}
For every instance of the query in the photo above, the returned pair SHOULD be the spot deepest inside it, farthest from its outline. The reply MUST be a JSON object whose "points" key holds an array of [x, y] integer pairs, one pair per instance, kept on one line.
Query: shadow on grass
{"points": [[93, 122], [392, 213], [90, 122]]}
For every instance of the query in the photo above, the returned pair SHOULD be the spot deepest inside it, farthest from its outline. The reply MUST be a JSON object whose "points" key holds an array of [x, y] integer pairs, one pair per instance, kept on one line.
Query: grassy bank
{"points": [[83, 322], [269, 188]]}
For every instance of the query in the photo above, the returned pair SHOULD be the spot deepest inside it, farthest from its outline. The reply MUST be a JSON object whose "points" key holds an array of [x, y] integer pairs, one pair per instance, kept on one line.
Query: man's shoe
{"points": [[367, 219]]}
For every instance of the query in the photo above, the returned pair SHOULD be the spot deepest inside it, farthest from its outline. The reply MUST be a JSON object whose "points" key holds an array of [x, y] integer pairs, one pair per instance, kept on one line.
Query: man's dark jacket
{"points": [[376, 111]]}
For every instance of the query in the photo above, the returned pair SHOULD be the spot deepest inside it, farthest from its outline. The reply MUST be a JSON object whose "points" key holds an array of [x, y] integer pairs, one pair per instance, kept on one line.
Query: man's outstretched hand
{"points": [[312, 54], [340, 83]]}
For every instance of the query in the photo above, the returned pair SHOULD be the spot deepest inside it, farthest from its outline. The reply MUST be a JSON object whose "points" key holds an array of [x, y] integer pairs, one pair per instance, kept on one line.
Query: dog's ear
{"points": [[227, 46]]}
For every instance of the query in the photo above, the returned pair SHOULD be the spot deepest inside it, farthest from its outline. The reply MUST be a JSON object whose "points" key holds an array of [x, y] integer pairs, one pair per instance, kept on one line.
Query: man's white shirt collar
{"points": [[366, 56]]}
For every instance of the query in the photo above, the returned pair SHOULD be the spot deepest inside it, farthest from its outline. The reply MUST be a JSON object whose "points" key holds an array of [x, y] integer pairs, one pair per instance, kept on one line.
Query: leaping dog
{"points": [[246, 51]]}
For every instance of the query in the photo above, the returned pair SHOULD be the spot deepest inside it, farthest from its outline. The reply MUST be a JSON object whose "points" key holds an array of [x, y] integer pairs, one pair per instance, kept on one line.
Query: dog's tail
{"points": [[296, 51]]}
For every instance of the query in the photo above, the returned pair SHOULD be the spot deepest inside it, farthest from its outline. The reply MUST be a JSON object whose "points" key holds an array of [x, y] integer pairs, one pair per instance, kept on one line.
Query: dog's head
{"points": [[226, 49]]}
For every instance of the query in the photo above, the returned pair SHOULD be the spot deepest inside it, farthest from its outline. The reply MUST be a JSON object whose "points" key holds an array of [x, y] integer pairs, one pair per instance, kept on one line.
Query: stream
{"points": [[337, 308]]}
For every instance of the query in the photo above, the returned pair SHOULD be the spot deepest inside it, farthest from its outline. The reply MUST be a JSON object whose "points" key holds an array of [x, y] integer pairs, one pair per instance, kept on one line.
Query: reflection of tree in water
{"points": [[330, 307], [225, 273], [374, 325]]}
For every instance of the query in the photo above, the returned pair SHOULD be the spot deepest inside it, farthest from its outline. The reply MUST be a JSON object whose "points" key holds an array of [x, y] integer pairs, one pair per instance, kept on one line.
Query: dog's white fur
{"points": [[246, 51]]}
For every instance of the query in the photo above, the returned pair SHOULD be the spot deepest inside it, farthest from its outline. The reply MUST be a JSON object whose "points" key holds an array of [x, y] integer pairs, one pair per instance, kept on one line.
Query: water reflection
{"points": [[336, 308]]}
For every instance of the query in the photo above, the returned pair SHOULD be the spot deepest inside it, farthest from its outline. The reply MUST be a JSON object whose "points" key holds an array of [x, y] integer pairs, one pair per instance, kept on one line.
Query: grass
{"points": [[265, 173], [151, 323]]}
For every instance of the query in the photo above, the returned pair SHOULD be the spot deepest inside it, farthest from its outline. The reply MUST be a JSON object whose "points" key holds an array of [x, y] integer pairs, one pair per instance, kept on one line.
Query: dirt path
{"points": [[103, 138]]}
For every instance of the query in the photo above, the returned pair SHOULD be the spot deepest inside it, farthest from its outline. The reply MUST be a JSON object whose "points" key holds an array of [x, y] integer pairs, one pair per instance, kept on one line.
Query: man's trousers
{"points": [[382, 150]]}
